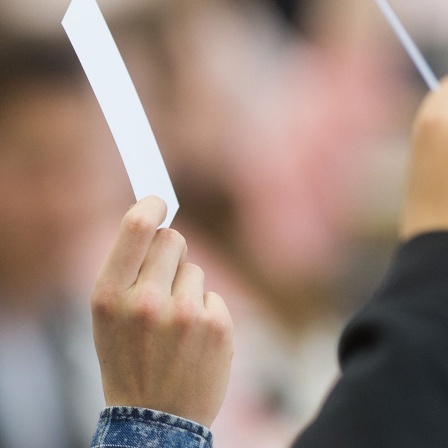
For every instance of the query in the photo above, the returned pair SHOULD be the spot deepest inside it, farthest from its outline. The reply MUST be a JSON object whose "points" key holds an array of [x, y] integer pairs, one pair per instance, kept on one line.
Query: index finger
{"points": [[128, 252]]}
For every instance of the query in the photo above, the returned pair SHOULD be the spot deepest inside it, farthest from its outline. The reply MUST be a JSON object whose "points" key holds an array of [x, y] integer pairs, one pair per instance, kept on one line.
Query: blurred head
{"points": [[276, 123], [60, 176]]}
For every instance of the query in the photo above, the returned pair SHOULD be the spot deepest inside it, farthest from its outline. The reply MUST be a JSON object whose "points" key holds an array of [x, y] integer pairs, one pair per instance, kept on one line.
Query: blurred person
{"points": [[235, 99], [62, 189], [259, 397], [277, 393], [227, 89], [165, 344]]}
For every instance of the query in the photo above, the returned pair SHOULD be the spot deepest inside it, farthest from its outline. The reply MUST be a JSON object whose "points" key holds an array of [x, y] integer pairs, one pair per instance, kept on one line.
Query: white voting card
{"points": [[408, 44], [105, 69]]}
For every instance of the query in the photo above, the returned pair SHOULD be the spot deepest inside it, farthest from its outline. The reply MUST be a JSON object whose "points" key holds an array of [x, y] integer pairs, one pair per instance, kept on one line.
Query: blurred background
{"points": [[285, 128]]}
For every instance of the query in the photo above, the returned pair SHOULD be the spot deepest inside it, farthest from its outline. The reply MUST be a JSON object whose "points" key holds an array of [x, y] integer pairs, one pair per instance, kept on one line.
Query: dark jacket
{"points": [[393, 391]]}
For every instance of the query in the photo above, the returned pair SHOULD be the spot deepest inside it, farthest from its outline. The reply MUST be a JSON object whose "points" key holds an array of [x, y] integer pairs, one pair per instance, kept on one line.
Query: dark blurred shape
{"points": [[37, 59], [293, 12]]}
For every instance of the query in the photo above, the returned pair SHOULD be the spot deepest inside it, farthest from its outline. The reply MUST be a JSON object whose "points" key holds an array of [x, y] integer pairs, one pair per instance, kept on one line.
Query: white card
{"points": [[409, 45], [116, 94]]}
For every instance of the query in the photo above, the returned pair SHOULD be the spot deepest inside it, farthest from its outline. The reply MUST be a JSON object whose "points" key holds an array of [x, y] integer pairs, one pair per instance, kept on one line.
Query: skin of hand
{"points": [[162, 343], [426, 199]]}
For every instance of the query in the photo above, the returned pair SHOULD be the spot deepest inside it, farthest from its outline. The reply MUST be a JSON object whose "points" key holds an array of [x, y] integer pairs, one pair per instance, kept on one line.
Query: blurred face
{"points": [[59, 178], [282, 126]]}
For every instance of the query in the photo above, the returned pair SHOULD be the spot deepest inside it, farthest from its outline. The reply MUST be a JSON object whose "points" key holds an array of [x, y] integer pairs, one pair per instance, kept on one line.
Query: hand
{"points": [[161, 342], [426, 202]]}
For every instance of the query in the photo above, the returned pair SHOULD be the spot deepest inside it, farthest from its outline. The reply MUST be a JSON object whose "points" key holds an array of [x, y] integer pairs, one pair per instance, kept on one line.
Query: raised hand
{"points": [[162, 342]]}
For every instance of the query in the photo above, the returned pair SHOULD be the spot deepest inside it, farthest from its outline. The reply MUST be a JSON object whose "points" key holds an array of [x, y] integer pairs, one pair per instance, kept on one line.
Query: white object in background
{"points": [[116, 94], [409, 45]]}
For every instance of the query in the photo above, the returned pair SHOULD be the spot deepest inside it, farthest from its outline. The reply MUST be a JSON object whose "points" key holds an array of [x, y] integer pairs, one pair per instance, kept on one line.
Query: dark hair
{"points": [[294, 12], [42, 59]]}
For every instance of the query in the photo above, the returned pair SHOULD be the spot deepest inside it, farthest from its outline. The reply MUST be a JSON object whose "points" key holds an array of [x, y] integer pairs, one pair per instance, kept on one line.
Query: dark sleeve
{"points": [[393, 389]]}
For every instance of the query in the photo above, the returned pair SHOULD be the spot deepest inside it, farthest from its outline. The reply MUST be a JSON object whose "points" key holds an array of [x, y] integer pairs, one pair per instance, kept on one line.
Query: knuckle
{"points": [[103, 303], [171, 237], [145, 313], [144, 307], [220, 323], [138, 224]]}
